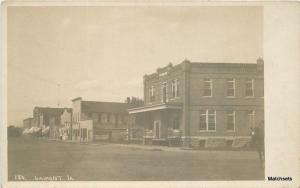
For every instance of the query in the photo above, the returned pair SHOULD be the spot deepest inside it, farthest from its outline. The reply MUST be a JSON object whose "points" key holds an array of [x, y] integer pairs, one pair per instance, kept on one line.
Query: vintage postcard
{"points": [[150, 94]]}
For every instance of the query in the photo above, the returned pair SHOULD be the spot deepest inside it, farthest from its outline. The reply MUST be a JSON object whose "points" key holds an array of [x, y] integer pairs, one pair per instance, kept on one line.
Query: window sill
{"points": [[205, 131]]}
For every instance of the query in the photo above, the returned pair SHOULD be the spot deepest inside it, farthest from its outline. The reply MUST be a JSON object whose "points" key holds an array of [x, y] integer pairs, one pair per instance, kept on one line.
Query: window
{"points": [[207, 88], [112, 118], [249, 88], [104, 118], [230, 120], [251, 118], [230, 87], [207, 120], [202, 126], [151, 94], [164, 92], [175, 89], [99, 117], [108, 118], [121, 118]]}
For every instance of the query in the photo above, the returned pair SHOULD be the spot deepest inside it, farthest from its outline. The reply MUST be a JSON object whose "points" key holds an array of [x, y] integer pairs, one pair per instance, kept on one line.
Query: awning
{"points": [[148, 108]]}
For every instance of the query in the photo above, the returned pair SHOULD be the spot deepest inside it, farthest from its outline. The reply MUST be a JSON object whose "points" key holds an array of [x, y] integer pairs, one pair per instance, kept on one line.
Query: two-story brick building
{"points": [[205, 104], [94, 120]]}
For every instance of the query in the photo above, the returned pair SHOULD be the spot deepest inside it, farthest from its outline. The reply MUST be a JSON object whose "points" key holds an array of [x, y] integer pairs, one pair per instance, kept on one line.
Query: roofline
{"points": [[106, 102], [77, 98], [231, 64], [222, 63]]}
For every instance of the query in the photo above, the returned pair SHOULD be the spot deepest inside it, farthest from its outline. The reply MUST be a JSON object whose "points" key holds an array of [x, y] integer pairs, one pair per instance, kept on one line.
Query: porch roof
{"points": [[148, 108]]}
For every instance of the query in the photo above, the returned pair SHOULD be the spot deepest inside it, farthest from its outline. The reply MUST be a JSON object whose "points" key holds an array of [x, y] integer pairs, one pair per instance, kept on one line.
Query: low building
{"points": [[202, 104], [49, 120], [95, 121], [28, 123], [42, 116]]}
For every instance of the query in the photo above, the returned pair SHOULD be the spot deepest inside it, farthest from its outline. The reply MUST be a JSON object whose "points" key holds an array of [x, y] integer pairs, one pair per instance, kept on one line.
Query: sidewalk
{"points": [[137, 146], [156, 147]]}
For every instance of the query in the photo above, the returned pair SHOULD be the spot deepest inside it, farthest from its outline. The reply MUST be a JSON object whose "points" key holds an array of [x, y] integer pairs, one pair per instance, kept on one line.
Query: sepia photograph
{"points": [[136, 93]]}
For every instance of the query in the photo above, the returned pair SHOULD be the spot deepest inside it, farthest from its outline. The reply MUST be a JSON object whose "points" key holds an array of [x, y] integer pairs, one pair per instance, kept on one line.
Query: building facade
{"points": [[42, 116], [28, 123], [93, 120], [66, 122], [203, 104]]}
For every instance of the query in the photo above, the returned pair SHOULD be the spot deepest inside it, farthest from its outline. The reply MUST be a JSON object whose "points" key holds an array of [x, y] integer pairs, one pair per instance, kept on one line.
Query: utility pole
{"points": [[58, 93]]}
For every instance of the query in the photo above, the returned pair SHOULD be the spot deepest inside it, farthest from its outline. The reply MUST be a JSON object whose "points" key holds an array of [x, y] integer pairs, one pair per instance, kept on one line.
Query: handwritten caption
{"points": [[20, 177]]}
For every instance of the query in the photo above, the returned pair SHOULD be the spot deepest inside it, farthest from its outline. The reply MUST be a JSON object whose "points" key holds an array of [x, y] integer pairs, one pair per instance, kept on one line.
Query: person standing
{"points": [[257, 138]]}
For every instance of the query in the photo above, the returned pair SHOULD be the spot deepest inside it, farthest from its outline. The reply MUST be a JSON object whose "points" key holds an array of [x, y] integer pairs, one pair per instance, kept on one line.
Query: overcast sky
{"points": [[102, 53]]}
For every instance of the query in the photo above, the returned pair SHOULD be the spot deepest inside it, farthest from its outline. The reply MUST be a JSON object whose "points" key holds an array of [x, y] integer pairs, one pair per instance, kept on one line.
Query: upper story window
{"points": [[104, 118], [207, 92], [108, 117], [120, 118], [207, 120], [112, 118], [175, 88], [230, 120], [164, 92], [99, 117], [230, 87], [249, 88], [151, 94]]}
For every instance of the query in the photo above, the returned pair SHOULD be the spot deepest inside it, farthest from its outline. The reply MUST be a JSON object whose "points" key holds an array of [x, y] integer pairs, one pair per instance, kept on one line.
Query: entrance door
{"points": [[157, 128]]}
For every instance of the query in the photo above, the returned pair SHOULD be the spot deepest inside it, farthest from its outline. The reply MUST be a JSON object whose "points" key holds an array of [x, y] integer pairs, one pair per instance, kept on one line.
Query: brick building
{"points": [[93, 120], [203, 104]]}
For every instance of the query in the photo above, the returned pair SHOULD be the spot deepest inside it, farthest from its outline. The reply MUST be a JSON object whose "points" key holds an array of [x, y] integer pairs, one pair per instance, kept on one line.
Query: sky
{"points": [[55, 54]]}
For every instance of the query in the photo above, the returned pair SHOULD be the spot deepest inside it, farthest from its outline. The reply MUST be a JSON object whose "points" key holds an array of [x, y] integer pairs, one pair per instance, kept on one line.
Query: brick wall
{"points": [[221, 103]]}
